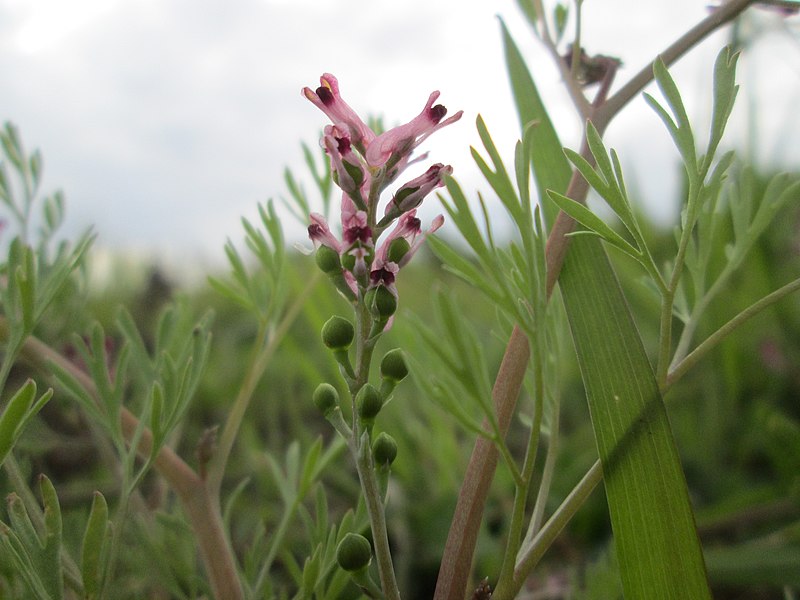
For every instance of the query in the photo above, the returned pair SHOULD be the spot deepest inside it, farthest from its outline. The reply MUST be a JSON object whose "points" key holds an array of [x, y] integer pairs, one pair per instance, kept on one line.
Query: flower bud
{"points": [[326, 398], [384, 449], [393, 365], [328, 260], [398, 248], [368, 402], [384, 303], [338, 333], [354, 552]]}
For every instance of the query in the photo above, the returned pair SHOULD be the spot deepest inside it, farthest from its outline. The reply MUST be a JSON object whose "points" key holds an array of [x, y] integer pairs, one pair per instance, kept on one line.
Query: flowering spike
{"points": [[363, 164]]}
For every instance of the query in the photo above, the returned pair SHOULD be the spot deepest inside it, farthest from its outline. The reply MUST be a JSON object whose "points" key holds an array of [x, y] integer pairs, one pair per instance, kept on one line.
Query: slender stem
{"points": [[267, 344], [460, 546], [523, 487], [664, 335], [201, 509], [721, 15], [530, 555], [361, 450], [377, 518], [547, 477], [688, 331], [275, 543], [715, 338], [558, 242]]}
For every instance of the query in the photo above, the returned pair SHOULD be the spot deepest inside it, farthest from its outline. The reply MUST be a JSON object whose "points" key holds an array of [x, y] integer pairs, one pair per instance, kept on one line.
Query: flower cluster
{"points": [[363, 164]]}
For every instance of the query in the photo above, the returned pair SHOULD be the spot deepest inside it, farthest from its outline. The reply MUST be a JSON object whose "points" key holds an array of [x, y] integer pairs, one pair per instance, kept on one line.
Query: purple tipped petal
{"points": [[411, 195], [326, 97], [401, 140], [320, 233]]}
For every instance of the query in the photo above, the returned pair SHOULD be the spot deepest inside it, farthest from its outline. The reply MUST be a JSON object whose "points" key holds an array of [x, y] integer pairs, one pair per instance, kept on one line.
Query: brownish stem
{"points": [[201, 507], [459, 549], [457, 562]]}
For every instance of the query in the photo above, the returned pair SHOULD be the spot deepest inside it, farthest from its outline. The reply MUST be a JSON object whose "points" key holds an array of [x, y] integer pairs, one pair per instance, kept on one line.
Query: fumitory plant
{"points": [[167, 450], [363, 165]]}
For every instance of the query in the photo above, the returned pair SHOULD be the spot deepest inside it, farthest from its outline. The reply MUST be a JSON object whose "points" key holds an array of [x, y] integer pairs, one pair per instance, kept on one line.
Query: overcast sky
{"points": [[164, 121]]}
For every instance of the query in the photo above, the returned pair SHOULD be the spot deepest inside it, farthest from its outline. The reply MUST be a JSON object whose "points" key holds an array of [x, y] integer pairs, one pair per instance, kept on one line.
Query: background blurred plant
{"points": [[158, 446]]}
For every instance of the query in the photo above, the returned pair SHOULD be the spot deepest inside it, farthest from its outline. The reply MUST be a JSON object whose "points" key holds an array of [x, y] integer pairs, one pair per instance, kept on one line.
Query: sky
{"points": [[165, 121]]}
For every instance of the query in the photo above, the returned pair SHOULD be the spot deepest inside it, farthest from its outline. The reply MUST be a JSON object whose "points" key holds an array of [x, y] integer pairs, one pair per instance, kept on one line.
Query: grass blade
{"points": [[655, 535]]}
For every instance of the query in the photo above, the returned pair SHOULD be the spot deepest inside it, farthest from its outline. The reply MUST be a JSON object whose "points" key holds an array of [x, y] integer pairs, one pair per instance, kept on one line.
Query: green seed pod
{"points": [[393, 365], [354, 552], [384, 449], [384, 303], [368, 402], [328, 260], [338, 333], [398, 249], [326, 398]]}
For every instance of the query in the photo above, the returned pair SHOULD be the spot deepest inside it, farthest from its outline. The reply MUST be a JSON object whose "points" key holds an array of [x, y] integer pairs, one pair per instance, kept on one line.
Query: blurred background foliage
{"points": [[736, 417]]}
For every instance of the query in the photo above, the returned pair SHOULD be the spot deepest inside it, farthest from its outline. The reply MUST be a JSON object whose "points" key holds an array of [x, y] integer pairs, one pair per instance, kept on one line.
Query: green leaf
{"points": [[725, 90], [19, 410], [591, 221], [550, 168], [36, 556], [654, 532], [92, 550], [682, 131]]}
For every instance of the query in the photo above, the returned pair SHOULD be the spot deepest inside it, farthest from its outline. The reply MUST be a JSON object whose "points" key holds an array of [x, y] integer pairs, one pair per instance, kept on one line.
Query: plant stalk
{"points": [[201, 508]]}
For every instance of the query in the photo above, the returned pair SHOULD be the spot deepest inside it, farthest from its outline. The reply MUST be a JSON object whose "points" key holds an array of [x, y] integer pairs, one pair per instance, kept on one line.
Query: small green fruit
{"points": [[384, 303], [328, 260], [326, 398], [384, 449], [338, 333], [369, 402], [393, 365], [354, 552], [398, 249]]}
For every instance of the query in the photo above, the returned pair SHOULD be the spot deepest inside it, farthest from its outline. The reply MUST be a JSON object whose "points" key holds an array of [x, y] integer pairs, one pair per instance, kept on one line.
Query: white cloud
{"points": [[165, 121]]}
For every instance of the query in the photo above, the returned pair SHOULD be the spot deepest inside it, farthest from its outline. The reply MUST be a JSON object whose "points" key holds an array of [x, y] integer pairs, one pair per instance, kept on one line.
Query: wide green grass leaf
{"points": [[654, 531]]}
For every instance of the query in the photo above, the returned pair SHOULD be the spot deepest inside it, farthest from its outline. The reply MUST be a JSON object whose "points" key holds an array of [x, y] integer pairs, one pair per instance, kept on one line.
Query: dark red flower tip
{"points": [[315, 231], [325, 95], [343, 145], [437, 113], [357, 234], [382, 275]]}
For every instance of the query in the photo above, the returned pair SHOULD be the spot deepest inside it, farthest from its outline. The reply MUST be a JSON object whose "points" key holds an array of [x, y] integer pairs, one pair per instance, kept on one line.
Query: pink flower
{"points": [[408, 227], [327, 99], [411, 195], [363, 165], [400, 141], [384, 273], [355, 229], [320, 233], [349, 173]]}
